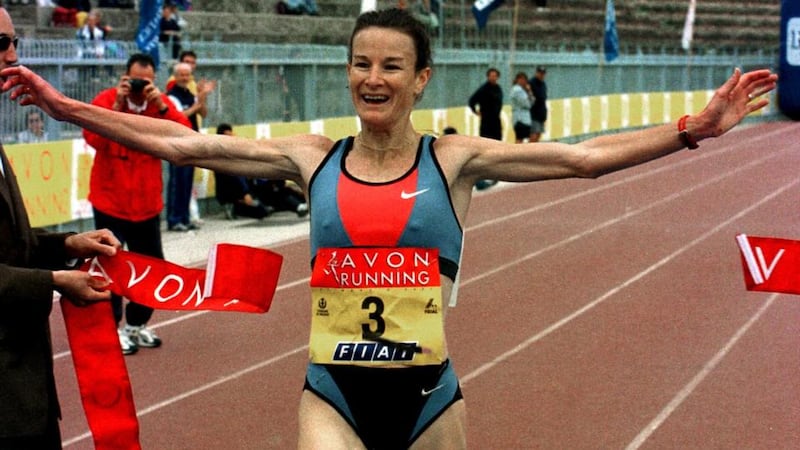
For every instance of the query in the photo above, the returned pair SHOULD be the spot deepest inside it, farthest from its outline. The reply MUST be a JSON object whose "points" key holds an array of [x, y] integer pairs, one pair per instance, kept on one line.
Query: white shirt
{"points": [[26, 137]]}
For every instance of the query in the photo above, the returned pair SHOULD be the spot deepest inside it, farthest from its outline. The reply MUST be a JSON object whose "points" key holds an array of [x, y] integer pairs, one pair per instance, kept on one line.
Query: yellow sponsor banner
{"points": [[637, 110], [677, 106], [657, 108], [282, 129], [423, 121], [614, 111], [45, 176], [340, 127], [554, 128], [456, 118], [248, 131]]}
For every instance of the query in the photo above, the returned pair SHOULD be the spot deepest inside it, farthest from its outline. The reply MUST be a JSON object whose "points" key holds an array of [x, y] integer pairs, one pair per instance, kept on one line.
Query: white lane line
{"points": [[197, 390], [687, 390], [581, 311]]}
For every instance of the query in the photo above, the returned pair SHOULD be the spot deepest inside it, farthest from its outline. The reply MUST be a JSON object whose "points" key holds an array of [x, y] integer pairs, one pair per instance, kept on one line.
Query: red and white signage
{"points": [[770, 264]]}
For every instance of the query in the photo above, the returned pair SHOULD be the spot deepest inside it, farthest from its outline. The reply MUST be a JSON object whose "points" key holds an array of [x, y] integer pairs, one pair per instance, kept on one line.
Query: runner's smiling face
{"points": [[383, 82]]}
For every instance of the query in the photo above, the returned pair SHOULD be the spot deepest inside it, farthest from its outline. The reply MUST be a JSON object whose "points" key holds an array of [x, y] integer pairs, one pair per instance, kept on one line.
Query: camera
{"points": [[137, 85]]}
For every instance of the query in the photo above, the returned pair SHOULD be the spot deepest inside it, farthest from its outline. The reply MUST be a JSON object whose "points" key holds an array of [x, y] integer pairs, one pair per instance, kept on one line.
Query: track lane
{"points": [[258, 409]]}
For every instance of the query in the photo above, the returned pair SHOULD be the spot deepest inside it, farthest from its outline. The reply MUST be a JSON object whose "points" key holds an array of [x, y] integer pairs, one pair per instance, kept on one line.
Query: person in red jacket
{"points": [[125, 186]]}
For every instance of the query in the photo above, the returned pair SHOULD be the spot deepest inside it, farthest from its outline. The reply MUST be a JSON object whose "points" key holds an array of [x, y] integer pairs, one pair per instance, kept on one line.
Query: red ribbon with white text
{"points": [[237, 278], [770, 264]]}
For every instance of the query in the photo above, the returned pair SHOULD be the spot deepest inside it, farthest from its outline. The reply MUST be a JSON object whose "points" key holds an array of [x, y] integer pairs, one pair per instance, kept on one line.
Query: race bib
{"points": [[376, 306]]}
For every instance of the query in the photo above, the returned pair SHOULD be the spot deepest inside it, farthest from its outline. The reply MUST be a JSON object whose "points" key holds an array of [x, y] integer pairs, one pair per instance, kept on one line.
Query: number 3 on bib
{"points": [[376, 307]]}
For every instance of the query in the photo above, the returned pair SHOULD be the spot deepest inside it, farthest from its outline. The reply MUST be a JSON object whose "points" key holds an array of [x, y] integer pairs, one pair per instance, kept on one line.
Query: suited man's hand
{"points": [[80, 287], [92, 243]]}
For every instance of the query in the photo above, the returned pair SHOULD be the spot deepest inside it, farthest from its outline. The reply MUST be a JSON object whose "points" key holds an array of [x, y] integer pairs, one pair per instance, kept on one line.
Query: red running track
{"points": [[605, 313]]}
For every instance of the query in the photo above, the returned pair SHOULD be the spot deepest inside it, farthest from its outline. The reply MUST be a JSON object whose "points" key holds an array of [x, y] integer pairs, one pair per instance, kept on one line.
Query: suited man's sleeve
{"points": [[25, 292], [50, 252], [28, 291]]}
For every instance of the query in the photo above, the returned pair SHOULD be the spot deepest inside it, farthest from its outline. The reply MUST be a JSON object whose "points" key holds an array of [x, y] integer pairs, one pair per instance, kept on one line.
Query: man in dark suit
{"points": [[33, 264]]}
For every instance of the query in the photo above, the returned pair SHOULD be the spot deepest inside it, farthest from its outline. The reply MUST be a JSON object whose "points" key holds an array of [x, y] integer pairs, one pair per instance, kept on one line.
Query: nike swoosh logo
{"points": [[426, 393], [407, 195]]}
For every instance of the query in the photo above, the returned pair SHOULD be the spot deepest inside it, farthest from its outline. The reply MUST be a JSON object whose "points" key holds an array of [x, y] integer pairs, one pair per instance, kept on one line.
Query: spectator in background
{"points": [[91, 37], [184, 5], [521, 107], [233, 191], [125, 186], [35, 131], [487, 102], [190, 57], [126, 4], [170, 34], [107, 29], [423, 11], [181, 178], [541, 5], [65, 12], [295, 7], [242, 197], [539, 107], [79, 5], [280, 196]]}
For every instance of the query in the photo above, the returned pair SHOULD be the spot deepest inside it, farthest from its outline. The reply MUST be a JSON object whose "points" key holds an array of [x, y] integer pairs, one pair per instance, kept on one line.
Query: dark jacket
{"points": [[539, 106], [27, 256], [489, 98]]}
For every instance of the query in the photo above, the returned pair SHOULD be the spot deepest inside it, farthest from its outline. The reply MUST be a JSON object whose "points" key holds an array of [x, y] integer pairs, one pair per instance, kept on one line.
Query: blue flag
{"points": [[481, 10], [149, 28], [610, 39]]}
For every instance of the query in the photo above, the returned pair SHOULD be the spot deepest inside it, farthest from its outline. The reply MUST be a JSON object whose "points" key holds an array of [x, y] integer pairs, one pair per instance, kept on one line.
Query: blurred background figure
{"points": [[295, 7], [280, 195], [203, 85], [521, 100], [233, 191], [539, 106], [170, 35], [34, 120], [181, 178], [487, 103], [91, 37]]}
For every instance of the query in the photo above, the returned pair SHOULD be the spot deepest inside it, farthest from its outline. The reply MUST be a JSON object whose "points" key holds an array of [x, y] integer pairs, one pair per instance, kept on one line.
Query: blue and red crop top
{"points": [[414, 210]]}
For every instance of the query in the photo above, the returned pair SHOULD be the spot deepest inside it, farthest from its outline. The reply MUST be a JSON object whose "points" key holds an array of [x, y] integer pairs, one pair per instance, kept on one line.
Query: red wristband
{"points": [[684, 135]]}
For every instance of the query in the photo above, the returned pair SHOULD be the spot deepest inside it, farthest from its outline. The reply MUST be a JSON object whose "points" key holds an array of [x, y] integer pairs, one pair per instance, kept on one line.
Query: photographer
{"points": [[125, 185]]}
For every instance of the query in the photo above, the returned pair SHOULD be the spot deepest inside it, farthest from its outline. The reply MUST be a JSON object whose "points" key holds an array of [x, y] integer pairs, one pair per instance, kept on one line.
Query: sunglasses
{"points": [[6, 41]]}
